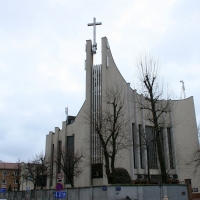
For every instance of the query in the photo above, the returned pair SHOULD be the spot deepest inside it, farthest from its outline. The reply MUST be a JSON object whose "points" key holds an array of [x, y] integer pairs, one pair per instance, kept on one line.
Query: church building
{"points": [[180, 138]]}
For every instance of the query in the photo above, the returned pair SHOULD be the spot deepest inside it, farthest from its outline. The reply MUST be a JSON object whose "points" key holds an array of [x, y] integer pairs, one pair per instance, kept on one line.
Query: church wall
{"points": [[48, 145], [58, 135], [111, 76], [185, 139], [48, 151], [79, 129], [140, 119], [85, 131], [183, 123], [81, 144], [112, 79]]}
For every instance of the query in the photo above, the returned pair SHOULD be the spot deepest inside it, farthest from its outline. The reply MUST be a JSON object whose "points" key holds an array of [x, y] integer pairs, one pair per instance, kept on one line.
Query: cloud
{"points": [[42, 53]]}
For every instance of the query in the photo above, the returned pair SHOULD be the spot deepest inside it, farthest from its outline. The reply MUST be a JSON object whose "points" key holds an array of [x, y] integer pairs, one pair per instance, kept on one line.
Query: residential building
{"points": [[10, 176]]}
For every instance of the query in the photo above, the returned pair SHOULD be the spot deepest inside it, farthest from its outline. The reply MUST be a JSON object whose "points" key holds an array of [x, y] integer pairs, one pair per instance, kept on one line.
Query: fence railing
{"points": [[136, 192]]}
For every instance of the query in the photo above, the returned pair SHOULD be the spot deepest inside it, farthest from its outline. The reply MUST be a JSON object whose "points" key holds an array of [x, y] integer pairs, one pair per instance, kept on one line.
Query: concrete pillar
{"points": [[165, 191], [89, 64], [137, 153], [165, 198], [130, 130], [140, 193], [189, 186]]}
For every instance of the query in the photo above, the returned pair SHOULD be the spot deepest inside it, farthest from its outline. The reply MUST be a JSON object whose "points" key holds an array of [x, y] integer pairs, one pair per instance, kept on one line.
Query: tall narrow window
{"points": [[70, 157], [52, 162], [70, 143], [59, 156], [134, 146], [151, 148], [96, 149], [142, 146], [169, 136], [162, 140]]}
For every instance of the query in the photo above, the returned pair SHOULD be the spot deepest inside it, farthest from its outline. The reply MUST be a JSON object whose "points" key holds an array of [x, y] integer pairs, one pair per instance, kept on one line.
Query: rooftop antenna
{"points": [[66, 112], [182, 90]]}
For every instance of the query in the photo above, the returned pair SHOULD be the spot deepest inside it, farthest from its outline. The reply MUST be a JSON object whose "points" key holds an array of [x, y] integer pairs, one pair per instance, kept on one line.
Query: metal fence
{"points": [[136, 192]]}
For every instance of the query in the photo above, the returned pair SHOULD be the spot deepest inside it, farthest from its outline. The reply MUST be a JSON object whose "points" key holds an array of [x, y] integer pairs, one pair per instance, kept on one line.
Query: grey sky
{"points": [[42, 53]]}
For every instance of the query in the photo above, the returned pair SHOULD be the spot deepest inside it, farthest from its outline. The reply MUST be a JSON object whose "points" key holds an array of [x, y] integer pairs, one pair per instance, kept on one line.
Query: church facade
{"points": [[180, 138]]}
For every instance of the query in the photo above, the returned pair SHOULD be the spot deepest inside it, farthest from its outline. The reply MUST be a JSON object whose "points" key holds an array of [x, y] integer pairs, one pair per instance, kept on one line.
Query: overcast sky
{"points": [[42, 53]]}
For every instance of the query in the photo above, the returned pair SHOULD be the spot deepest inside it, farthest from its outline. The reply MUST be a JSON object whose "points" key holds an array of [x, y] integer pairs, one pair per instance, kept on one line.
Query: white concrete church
{"points": [[181, 139]]}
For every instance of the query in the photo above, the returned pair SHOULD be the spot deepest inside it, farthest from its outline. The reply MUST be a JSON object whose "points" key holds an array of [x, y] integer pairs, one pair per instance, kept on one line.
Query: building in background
{"points": [[33, 175], [180, 143], [9, 176]]}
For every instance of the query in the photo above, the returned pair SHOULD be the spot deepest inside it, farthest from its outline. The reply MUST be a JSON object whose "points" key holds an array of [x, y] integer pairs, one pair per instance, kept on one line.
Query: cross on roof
{"points": [[94, 46]]}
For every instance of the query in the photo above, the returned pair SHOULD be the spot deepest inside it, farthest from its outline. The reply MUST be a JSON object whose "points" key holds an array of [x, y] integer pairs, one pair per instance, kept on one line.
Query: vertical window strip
{"points": [[70, 143], [162, 140], [151, 150], [52, 162], [134, 146], [169, 135], [141, 147], [96, 109], [59, 155], [69, 153]]}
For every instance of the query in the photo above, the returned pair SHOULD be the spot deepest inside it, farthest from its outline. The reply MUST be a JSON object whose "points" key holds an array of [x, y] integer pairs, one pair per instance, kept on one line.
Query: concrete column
{"points": [[89, 64], [143, 129], [165, 136], [104, 54], [175, 151], [104, 85], [130, 130], [137, 153], [140, 193], [189, 186], [165, 191]]}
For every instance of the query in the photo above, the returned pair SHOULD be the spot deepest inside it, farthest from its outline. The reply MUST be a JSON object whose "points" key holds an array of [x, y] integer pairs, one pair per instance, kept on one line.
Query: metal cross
{"points": [[94, 46]]}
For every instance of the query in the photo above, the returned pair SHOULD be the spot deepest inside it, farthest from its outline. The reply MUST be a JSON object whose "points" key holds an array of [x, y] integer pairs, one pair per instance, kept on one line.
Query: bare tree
{"points": [[110, 129], [69, 162], [16, 174], [147, 143], [153, 106], [196, 160], [36, 171]]}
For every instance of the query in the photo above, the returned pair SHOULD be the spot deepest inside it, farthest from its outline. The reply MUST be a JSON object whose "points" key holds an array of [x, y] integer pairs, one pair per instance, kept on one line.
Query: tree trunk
{"points": [[161, 158], [34, 186], [148, 170], [107, 163]]}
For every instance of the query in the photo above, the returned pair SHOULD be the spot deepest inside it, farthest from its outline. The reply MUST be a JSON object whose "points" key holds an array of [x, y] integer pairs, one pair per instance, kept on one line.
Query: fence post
{"points": [[165, 198], [189, 186]]}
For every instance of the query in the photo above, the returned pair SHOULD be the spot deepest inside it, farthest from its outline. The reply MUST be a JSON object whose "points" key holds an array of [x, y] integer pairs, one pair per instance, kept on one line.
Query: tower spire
{"points": [[94, 46]]}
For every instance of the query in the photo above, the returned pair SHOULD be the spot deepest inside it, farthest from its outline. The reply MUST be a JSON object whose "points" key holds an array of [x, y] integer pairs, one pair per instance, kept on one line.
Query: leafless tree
{"points": [[16, 174], [196, 160], [154, 107], [69, 162], [110, 126], [36, 171], [147, 142]]}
